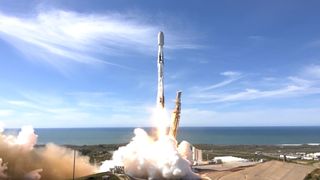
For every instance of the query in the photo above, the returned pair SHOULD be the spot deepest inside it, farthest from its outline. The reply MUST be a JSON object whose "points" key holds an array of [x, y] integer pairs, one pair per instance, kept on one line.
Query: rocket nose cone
{"points": [[160, 38]]}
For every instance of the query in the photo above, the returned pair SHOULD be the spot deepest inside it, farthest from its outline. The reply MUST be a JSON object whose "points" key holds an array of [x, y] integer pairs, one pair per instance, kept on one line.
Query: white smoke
{"points": [[19, 159], [145, 157], [1, 127], [33, 175], [24, 143], [27, 138], [185, 150]]}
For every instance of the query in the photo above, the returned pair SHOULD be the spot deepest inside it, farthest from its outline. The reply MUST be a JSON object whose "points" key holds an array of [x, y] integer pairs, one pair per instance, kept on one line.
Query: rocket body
{"points": [[160, 63]]}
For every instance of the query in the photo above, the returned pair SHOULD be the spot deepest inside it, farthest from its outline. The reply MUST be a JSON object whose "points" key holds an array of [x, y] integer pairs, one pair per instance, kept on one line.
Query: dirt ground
{"points": [[271, 170]]}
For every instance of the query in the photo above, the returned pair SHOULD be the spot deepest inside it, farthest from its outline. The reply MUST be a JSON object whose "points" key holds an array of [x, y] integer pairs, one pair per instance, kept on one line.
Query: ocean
{"points": [[194, 135]]}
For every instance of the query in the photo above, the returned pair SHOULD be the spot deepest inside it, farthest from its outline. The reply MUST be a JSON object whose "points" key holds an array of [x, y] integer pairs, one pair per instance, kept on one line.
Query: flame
{"points": [[160, 118]]}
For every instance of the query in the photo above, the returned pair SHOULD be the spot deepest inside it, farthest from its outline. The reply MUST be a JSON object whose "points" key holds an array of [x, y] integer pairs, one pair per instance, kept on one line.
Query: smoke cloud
{"points": [[20, 160], [145, 157]]}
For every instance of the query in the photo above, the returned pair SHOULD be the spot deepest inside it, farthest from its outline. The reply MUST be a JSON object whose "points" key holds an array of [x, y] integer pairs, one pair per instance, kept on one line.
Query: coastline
{"points": [[194, 135], [101, 152]]}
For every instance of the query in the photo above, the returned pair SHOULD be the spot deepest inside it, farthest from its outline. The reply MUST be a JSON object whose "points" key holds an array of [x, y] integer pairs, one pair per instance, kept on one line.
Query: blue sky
{"points": [[92, 63]]}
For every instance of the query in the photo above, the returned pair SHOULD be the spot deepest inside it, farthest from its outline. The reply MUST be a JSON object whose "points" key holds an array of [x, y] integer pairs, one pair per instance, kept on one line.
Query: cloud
{"points": [[250, 94], [291, 86], [313, 44], [5, 112], [312, 71], [231, 77], [73, 36], [75, 109], [231, 74], [265, 117], [60, 37]]}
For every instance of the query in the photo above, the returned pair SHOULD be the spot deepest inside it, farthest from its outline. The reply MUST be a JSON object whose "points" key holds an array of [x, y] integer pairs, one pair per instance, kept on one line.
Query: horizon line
{"points": [[269, 126]]}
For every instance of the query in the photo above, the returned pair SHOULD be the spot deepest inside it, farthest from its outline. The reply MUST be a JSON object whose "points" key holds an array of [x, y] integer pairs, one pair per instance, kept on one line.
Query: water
{"points": [[194, 135], [251, 135]]}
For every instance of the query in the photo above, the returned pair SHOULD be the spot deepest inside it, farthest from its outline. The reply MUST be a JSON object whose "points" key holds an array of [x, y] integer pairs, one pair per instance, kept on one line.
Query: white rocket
{"points": [[160, 61]]}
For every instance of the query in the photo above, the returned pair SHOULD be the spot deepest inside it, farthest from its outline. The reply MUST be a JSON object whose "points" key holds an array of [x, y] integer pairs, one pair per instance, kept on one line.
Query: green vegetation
{"points": [[102, 152], [97, 153], [253, 152]]}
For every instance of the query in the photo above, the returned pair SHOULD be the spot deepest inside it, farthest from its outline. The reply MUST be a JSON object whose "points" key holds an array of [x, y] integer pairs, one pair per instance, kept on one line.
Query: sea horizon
{"points": [[259, 135], [95, 127]]}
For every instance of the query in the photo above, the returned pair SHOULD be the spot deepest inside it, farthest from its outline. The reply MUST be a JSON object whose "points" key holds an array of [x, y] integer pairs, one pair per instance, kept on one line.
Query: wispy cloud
{"points": [[252, 117], [72, 36], [59, 37], [292, 86], [313, 44], [76, 109], [231, 77], [5, 112], [312, 71], [250, 94]]}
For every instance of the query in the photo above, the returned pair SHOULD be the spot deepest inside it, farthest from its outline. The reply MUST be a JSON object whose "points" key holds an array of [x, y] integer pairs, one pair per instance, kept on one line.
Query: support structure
{"points": [[176, 116]]}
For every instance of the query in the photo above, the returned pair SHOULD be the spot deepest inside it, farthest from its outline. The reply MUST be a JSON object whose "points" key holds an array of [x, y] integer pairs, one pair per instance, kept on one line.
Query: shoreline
{"points": [[102, 152]]}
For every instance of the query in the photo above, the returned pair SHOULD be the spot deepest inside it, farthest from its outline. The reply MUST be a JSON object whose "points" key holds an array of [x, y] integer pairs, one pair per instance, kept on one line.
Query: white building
{"points": [[196, 156], [229, 159]]}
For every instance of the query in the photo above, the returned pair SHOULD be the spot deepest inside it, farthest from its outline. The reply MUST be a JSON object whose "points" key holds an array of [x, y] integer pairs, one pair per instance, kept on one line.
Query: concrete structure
{"points": [[288, 157], [301, 155], [196, 156]]}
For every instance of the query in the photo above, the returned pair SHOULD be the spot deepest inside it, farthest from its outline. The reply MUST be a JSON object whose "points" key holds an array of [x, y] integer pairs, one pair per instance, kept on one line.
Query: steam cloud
{"points": [[145, 157], [19, 159]]}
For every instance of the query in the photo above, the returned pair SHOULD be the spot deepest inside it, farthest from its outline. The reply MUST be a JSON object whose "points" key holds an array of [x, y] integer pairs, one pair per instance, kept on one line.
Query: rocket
{"points": [[160, 62]]}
